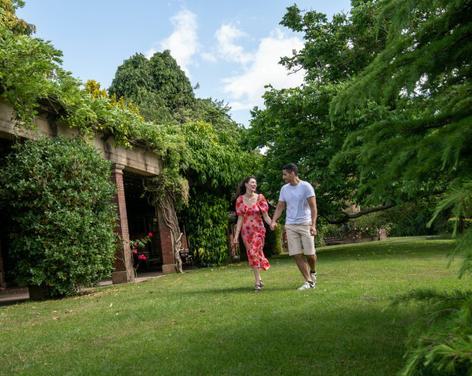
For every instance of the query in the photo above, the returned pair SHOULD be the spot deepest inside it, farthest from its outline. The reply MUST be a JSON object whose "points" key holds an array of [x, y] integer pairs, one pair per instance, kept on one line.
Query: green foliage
{"points": [[157, 85], [441, 343], [295, 127], [215, 160], [296, 124], [337, 49], [28, 67], [420, 146], [210, 157], [273, 242], [9, 19], [207, 223], [59, 197], [411, 218], [364, 227]]}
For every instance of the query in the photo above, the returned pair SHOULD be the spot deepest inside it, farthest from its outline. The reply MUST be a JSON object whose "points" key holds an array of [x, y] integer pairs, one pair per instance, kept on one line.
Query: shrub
{"points": [[273, 241], [364, 227], [207, 225], [58, 194]]}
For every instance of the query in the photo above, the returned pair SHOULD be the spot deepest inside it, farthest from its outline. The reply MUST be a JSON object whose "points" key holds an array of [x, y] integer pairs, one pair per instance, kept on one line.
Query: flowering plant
{"points": [[138, 247]]}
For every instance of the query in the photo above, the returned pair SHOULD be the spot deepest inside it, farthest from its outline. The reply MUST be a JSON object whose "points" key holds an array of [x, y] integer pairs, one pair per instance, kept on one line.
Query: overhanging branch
{"points": [[348, 216]]}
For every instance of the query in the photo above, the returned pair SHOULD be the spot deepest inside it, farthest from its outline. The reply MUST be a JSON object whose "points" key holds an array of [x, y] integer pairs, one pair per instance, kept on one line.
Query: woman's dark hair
{"points": [[291, 167], [242, 186]]}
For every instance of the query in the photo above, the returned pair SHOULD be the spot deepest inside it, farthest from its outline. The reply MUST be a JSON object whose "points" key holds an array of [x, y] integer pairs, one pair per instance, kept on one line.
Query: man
{"points": [[299, 200]]}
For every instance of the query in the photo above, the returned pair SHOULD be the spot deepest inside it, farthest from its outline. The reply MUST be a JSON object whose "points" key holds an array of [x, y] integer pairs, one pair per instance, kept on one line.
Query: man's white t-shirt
{"points": [[295, 197]]}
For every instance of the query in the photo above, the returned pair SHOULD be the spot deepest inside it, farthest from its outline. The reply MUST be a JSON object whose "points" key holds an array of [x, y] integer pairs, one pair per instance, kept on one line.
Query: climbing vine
{"points": [[199, 149]]}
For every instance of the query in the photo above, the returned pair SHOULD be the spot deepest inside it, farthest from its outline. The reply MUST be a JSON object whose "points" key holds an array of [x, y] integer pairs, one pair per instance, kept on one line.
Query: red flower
{"points": [[135, 251], [150, 234], [142, 257]]}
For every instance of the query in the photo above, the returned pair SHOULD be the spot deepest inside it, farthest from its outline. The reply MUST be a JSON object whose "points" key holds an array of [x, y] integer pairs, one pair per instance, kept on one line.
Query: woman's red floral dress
{"points": [[253, 230]]}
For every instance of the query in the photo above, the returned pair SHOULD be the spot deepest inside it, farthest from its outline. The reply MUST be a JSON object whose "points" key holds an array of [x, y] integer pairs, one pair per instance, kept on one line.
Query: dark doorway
{"points": [[142, 220]]}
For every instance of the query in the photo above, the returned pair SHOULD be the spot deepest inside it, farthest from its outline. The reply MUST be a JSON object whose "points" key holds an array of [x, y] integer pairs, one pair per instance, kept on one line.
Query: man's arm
{"points": [[278, 212], [314, 214]]}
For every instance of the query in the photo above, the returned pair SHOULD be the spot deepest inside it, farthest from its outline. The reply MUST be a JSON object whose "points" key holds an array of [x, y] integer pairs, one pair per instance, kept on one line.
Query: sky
{"points": [[229, 49]]}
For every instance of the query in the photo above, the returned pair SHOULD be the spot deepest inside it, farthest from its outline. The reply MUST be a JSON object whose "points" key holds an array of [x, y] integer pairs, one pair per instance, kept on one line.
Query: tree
{"points": [[157, 85], [421, 146], [10, 21], [420, 143], [296, 124]]}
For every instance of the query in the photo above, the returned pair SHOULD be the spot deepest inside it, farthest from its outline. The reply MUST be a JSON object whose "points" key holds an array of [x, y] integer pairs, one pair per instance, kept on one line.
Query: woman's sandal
{"points": [[258, 286]]}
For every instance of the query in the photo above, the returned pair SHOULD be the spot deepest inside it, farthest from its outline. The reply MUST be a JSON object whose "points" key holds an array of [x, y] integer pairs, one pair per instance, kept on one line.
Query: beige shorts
{"points": [[300, 240]]}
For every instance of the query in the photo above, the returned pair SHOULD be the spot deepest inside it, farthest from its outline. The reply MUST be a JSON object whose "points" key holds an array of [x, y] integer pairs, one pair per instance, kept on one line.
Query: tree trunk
{"points": [[166, 210]]}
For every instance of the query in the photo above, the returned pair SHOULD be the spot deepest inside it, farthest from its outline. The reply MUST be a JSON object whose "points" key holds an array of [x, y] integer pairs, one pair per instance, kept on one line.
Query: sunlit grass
{"points": [[210, 322]]}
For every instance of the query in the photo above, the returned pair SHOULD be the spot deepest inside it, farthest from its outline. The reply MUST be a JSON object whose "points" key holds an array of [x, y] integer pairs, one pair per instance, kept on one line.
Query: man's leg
{"points": [[303, 266], [311, 259], [308, 242], [312, 262]]}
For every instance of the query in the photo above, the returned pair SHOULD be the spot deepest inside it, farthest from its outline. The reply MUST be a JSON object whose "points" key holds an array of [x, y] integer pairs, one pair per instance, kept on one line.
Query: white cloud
{"points": [[246, 89], [183, 42], [208, 56], [228, 50]]}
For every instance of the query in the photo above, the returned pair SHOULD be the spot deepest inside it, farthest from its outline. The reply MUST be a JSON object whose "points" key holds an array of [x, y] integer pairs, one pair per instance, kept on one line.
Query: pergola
{"points": [[137, 162]]}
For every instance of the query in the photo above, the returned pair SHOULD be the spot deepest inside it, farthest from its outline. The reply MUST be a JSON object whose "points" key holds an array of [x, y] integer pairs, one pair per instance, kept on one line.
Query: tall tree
{"points": [[421, 145], [157, 85], [422, 142], [296, 125]]}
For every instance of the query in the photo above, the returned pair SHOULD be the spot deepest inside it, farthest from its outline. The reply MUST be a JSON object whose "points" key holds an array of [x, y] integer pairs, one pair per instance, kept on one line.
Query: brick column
{"points": [[168, 261], [123, 267]]}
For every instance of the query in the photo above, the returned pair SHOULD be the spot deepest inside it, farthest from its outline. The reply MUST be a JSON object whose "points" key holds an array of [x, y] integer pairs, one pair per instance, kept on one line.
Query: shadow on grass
{"points": [[329, 342], [240, 290]]}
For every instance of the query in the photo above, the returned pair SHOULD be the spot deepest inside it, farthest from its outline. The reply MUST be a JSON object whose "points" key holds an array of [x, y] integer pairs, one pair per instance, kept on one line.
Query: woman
{"points": [[250, 209]]}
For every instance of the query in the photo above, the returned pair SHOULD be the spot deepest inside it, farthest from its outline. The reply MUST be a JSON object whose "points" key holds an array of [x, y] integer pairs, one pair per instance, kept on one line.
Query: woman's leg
{"points": [[257, 275]]}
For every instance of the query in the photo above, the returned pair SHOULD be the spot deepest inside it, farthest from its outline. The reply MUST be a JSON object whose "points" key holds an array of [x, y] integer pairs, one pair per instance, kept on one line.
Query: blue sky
{"points": [[230, 48]]}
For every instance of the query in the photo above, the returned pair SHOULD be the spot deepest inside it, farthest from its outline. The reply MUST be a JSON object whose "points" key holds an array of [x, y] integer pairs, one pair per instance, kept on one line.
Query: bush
{"points": [[364, 227], [411, 219], [58, 194], [207, 226], [273, 241]]}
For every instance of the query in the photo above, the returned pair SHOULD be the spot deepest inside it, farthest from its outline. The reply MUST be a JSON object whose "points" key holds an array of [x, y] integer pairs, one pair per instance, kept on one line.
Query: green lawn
{"points": [[210, 322]]}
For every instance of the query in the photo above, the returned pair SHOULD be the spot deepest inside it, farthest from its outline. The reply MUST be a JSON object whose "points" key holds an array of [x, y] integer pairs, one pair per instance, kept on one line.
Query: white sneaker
{"points": [[313, 277], [307, 286]]}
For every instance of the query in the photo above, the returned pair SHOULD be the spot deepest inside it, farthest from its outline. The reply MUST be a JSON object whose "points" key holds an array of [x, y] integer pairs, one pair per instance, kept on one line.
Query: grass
{"points": [[210, 322]]}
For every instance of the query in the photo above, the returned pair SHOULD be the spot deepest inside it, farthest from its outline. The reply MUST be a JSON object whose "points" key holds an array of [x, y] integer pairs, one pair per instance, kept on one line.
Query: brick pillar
{"points": [[123, 267], [168, 261]]}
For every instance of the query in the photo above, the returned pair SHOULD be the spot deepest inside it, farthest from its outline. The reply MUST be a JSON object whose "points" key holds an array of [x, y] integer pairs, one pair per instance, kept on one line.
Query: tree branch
{"points": [[346, 217]]}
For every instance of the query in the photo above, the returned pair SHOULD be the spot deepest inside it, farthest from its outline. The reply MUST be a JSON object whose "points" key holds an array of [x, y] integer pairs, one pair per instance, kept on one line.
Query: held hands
{"points": [[273, 225]]}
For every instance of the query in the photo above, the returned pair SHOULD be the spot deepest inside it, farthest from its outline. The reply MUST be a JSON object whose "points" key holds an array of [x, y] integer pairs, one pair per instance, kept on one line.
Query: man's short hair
{"points": [[291, 167]]}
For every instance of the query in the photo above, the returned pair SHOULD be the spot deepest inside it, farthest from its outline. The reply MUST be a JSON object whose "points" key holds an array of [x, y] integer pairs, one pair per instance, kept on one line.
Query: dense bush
{"points": [[58, 194], [364, 227], [207, 225], [273, 241]]}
